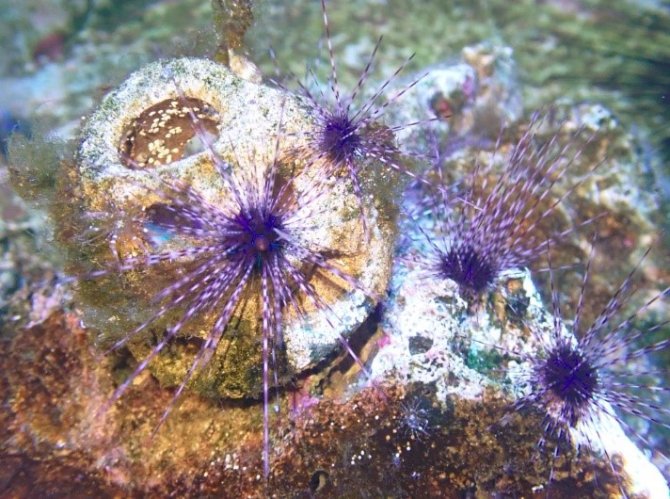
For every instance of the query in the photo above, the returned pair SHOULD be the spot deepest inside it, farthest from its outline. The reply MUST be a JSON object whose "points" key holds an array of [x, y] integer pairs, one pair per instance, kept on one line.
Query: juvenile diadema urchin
{"points": [[252, 260], [584, 382], [492, 226], [349, 134]]}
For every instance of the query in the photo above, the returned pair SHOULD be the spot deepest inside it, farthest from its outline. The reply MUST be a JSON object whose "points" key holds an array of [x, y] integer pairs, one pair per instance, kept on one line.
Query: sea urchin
{"points": [[348, 134], [581, 378], [492, 226], [255, 253]]}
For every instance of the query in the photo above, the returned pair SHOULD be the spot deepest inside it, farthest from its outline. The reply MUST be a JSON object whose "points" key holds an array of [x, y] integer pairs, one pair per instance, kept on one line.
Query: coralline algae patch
{"points": [[432, 338], [53, 399], [136, 147]]}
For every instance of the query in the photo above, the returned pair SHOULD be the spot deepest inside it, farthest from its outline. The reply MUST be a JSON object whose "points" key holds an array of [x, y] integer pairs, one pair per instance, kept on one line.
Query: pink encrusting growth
{"points": [[581, 373], [493, 224], [252, 246], [349, 133]]}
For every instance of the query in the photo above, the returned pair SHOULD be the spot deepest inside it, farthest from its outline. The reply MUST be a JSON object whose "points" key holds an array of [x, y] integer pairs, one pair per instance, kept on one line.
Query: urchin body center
{"points": [[468, 268], [259, 233], [570, 377], [340, 138]]}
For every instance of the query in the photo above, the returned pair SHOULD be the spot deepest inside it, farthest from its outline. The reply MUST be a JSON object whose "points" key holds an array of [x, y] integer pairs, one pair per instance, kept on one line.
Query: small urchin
{"points": [[414, 418], [349, 132], [582, 381], [493, 224]]}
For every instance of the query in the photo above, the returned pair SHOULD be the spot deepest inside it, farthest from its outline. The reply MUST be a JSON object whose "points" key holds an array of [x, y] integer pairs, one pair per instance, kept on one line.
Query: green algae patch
{"points": [[483, 361], [33, 166], [235, 373]]}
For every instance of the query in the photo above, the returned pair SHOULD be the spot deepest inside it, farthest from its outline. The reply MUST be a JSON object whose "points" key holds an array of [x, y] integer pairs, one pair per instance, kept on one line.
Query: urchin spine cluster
{"points": [[576, 379], [491, 226], [253, 247], [489, 229], [349, 135]]}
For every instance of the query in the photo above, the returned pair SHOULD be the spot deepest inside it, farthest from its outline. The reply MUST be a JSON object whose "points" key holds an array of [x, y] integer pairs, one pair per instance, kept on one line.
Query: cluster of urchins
{"points": [[254, 243]]}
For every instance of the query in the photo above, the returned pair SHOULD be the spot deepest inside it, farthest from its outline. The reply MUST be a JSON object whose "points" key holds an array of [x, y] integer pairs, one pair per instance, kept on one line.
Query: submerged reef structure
{"points": [[248, 303], [431, 339], [578, 379]]}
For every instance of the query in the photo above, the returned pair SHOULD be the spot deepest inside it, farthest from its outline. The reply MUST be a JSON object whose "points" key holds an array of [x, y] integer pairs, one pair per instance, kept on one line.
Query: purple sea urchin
{"points": [[348, 134], [493, 226], [251, 249], [253, 261], [577, 378]]}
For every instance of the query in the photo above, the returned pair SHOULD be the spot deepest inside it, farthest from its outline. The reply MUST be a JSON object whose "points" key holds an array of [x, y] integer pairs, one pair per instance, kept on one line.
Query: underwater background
{"points": [[418, 411]]}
